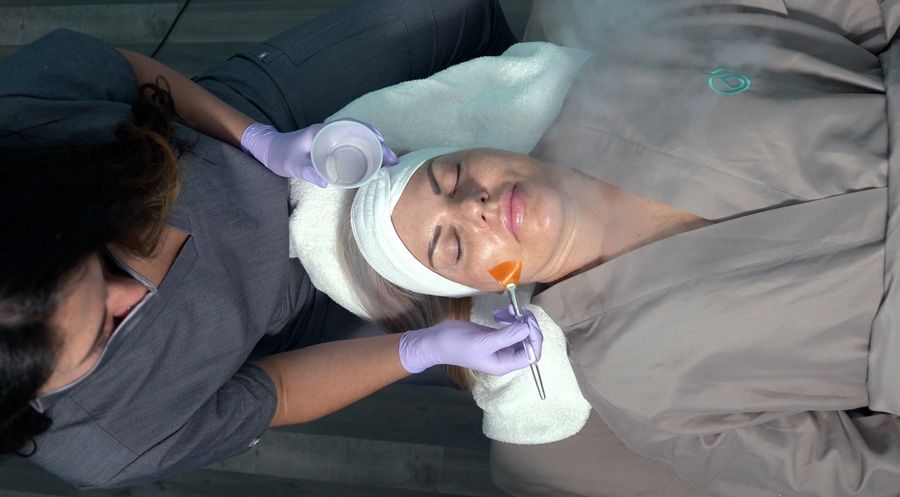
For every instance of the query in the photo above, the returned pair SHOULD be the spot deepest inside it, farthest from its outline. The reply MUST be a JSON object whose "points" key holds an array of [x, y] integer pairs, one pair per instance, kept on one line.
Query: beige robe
{"points": [[747, 353]]}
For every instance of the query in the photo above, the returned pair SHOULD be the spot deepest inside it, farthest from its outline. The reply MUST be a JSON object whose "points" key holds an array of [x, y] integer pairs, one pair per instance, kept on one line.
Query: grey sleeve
{"points": [[808, 454], [65, 86], [227, 424]]}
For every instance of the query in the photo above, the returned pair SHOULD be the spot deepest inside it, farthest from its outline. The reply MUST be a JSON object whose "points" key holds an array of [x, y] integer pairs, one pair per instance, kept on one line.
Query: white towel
{"points": [[513, 412], [502, 102]]}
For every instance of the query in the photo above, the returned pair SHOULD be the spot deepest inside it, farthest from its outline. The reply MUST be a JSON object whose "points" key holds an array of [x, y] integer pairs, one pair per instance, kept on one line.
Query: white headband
{"points": [[378, 241]]}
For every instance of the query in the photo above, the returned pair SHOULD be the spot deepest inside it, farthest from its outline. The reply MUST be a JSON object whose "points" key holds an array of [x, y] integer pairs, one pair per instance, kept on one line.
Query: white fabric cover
{"points": [[502, 102]]}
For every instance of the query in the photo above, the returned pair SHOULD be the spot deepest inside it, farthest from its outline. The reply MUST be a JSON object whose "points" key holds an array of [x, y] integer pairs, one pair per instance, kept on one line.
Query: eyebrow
{"points": [[435, 187], [432, 245], [97, 339]]}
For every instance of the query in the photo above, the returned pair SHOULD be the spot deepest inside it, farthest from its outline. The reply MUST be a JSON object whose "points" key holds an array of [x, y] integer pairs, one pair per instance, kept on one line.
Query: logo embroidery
{"points": [[727, 82]]}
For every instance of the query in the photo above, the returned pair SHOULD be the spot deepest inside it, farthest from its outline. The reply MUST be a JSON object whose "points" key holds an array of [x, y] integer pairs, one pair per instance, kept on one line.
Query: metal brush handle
{"points": [[529, 349]]}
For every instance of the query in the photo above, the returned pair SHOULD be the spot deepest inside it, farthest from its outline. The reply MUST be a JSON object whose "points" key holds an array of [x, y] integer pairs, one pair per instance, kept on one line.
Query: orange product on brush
{"points": [[507, 272]]}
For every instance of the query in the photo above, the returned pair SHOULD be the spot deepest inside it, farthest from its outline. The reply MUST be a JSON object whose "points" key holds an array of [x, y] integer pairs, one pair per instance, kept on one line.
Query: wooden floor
{"points": [[206, 32], [405, 441], [408, 440]]}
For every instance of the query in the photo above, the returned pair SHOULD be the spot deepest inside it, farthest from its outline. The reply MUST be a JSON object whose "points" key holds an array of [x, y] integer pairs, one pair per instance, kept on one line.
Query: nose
{"points": [[122, 294], [479, 209]]}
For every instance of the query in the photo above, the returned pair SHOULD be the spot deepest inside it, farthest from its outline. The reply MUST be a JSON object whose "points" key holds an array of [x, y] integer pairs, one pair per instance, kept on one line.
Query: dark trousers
{"points": [[304, 75]]}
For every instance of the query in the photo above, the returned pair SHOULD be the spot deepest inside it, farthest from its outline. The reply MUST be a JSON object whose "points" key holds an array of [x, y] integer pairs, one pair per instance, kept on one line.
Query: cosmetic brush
{"points": [[507, 274]]}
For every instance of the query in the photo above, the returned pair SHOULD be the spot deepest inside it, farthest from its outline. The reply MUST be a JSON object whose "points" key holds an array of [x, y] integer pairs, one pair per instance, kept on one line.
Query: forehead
{"points": [[420, 185], [413, 215]]}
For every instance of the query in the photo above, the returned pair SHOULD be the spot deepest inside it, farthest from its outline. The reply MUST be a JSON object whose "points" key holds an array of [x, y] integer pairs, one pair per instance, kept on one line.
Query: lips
{"points": [[513, 210]]}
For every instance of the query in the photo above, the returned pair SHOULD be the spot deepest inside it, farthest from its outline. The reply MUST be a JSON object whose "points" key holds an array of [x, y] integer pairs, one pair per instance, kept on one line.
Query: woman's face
{"points": [[463, 213], [94, 301]]}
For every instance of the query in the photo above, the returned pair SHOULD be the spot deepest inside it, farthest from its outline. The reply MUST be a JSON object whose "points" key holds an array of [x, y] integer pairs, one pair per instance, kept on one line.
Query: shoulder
{"points": [[59, 51], [64, 86]]}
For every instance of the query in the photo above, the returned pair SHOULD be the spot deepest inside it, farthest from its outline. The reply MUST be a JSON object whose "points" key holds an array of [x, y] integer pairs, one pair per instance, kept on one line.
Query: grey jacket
{"points": [[173, 391]]}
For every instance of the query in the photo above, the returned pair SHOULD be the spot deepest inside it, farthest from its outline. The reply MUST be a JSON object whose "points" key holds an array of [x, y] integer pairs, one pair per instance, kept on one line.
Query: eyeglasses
{"points": [[111, 265]]}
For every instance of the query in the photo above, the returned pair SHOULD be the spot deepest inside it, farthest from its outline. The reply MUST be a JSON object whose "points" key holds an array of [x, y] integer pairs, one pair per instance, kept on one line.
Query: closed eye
{"points": [[458, 246], [456, 183]]}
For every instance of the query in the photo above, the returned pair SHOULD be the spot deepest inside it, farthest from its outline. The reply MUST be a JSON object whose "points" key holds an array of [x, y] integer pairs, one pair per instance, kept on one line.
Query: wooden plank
{"points": [[467, 472], [144, 48], [144, 23], [461, 471], [78, 3], [207, 21], [377, 442], [12, 493], [21, 478], [345, 460], [22, 475], [406, 436], [210, 31], [208, 483], [430, 415]]}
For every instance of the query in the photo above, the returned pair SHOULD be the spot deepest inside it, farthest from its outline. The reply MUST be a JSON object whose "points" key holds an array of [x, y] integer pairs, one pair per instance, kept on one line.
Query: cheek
{"points": [[547, 211], [487, 254], [545, 231], [79, 335]]}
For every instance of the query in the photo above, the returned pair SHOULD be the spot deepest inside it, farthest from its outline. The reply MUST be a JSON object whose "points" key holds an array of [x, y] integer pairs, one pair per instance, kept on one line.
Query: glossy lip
{"points": [[516, 212], [511, 211]]}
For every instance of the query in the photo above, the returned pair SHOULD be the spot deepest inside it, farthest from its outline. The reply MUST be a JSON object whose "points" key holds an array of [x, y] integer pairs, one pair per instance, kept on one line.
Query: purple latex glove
{"points": [[287, 154], [466, 344], [536, 338]]}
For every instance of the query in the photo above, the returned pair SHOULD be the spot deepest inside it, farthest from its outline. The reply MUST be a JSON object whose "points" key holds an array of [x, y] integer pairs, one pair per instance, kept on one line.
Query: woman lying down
{"points": [[713, 250], [681, 331]]}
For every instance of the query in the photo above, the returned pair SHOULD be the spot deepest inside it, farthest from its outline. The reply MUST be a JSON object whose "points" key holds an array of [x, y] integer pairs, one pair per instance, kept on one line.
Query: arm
{"points": [[293, 387], [201, 109], [318, 380], [315, 381], [285, 154]]}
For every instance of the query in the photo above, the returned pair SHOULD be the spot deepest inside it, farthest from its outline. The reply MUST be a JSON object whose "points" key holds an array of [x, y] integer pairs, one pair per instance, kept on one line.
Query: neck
{"points": [[592, 211], [155, 267], [611, 222], [638, 221]]}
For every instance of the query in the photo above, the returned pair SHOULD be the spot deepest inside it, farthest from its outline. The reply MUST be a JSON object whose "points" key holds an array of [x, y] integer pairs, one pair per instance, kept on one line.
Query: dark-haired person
{"points": [[150, 317]]}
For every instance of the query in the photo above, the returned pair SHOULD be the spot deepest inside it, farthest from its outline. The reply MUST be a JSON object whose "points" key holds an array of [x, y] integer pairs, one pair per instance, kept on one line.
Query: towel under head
{"points": [[502, 102]]}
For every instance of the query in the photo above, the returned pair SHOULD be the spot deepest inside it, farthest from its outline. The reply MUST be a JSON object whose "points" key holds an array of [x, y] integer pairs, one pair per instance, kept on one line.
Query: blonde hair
{"points": [[395, 308]]}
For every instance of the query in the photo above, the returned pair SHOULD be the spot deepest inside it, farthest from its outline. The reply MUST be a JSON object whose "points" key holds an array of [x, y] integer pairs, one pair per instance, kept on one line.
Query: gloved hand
{"points": [[287, 154], [536, 340], [469, 345]]}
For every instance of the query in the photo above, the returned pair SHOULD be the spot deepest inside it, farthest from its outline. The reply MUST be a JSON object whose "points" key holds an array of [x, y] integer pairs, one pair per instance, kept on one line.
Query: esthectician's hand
{"points": [[287, 154], [507, 316], [466, 344]]}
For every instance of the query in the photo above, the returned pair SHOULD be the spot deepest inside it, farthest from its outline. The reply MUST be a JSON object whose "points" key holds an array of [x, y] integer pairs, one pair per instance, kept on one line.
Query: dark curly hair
{"points": [[60, 203]]}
